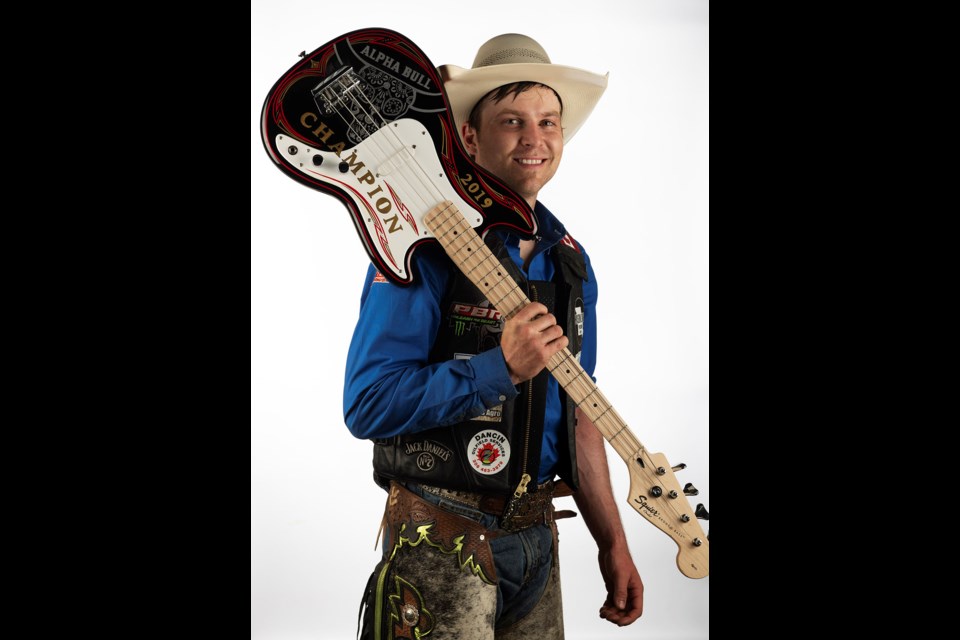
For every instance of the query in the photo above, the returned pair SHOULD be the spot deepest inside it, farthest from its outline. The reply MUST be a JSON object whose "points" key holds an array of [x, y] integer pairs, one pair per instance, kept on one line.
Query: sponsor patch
{"points": [[489, 452], [465, 317], [493, 414], [570, 242], [428, 453], [379, 277]]}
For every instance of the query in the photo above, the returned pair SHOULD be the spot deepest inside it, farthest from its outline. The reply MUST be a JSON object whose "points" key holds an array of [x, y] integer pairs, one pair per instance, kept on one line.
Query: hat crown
{"points": [[510, 48]]}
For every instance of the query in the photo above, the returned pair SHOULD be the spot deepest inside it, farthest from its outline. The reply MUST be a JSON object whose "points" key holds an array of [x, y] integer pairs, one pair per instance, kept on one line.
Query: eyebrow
{"points": [[514, 112]]}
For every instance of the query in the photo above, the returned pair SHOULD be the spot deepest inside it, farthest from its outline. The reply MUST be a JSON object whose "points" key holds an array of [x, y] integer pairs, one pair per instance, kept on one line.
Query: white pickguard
{"points": [[394, 177]]}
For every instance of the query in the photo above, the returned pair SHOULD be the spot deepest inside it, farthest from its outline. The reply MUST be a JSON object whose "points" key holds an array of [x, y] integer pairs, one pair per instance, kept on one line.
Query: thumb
{"points": [[620, 594]]}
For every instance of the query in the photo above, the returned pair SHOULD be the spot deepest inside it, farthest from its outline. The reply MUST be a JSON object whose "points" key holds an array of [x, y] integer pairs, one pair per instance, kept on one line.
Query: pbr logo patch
{"points": [[489, 452]]}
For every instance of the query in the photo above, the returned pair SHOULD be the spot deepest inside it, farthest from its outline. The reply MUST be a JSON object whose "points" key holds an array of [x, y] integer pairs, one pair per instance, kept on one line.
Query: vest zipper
{"points": [[525, 477]]}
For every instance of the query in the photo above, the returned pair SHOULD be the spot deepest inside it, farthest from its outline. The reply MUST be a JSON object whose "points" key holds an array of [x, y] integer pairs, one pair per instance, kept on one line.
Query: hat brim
{"points": [[579, 90]]}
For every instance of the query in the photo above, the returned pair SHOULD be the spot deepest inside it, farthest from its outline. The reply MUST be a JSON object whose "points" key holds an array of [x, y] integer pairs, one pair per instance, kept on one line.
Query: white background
{"points": [[632, 188]]}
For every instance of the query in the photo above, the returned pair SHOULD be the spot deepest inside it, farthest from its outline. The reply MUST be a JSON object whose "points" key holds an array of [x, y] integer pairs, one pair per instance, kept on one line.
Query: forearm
{"points": [[595, 496]]}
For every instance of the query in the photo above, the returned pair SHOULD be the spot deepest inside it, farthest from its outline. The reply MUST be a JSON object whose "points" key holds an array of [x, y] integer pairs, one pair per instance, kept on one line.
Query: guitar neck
{"points": [[477, 262]]}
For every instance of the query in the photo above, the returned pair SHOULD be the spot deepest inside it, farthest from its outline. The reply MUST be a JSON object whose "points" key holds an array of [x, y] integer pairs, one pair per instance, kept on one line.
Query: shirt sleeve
{"points": [[390, 387]]}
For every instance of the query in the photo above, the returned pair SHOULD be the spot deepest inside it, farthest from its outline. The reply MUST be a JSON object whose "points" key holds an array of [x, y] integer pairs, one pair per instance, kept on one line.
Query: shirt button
{"points": [[503, 398]]}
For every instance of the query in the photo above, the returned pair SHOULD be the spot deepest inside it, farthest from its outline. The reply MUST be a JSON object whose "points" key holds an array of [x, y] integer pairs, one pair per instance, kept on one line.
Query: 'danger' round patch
{"points": [[489, 452]]}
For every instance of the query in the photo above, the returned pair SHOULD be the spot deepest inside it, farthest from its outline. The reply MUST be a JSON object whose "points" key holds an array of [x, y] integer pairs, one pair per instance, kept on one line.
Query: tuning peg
{"points": [[701, 513], [679, 467], [690, 490]]}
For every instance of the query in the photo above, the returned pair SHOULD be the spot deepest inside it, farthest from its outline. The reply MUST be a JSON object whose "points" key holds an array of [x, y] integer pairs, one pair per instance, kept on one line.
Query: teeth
{"points": [[528, 161]]}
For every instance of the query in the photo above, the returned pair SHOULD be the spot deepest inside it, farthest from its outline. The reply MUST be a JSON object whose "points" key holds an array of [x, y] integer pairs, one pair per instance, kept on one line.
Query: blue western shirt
{"points": [[390, 386]]}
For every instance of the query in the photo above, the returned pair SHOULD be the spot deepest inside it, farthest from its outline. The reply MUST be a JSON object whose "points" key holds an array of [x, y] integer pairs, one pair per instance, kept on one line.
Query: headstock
{"points": [[656, 494]]}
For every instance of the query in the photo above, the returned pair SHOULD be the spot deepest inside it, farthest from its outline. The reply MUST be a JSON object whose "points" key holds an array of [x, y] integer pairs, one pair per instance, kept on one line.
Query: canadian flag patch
{"points": [[570, 242]]}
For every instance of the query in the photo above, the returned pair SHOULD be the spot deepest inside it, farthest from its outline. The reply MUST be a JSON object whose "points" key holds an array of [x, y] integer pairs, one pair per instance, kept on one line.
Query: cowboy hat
{"points": [[513, 57]]}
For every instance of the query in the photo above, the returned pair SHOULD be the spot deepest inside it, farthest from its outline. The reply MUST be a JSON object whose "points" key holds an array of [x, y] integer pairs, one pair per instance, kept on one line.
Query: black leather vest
{"points": [[490, 452]]}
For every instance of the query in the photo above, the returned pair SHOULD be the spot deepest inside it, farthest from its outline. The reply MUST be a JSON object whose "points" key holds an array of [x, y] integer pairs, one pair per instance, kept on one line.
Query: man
{"points": [[457, 399]]}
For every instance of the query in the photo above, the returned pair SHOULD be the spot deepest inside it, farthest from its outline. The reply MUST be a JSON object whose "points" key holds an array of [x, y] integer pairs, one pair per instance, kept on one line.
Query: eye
{"points": [[512, 121], [549, 123]]}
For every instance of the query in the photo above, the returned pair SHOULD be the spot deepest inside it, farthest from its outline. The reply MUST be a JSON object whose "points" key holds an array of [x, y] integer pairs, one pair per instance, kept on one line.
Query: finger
{"points": [[551, 334], [544, 322], [530, 312], [619, 617]]}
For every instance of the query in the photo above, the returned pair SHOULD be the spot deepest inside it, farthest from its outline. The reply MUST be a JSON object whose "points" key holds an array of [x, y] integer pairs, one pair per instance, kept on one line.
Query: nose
{"points": [[530, 135]]}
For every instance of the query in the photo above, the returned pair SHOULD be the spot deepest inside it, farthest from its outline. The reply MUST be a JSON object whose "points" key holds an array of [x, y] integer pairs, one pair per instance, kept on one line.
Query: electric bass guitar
{"points": [[365, 118]]}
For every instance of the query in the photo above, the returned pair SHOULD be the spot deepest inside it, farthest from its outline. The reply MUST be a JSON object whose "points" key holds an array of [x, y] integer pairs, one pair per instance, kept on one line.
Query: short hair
{"points": [[501, 92]]}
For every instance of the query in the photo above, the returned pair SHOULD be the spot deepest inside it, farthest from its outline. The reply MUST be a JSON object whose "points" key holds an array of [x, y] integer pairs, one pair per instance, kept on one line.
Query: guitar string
{"points": [[351, 92], [623, 436], [404, 170], [374, 114]]}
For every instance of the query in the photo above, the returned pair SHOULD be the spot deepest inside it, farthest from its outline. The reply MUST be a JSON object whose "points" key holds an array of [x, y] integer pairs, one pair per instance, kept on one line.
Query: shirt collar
{"points": [[549, 229]]}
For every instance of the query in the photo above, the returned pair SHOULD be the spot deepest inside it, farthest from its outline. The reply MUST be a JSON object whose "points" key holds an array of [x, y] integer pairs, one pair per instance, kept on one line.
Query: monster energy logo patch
{"points": [[464, 317]]}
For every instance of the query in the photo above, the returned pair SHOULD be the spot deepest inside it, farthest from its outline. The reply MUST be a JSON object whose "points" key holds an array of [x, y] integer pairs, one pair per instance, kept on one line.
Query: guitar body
{"points": [[365, 118]]}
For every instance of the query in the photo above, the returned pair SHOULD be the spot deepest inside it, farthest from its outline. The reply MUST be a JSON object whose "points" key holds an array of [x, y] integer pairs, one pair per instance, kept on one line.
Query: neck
{"points": [[526, 248]]}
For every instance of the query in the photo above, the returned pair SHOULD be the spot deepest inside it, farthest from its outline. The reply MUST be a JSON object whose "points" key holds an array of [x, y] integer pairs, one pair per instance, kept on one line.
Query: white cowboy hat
{"points": [[513, 57]]}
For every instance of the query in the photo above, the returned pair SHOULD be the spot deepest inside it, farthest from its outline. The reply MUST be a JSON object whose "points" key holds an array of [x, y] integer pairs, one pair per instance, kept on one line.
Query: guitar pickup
{"points": [[400, 159]]}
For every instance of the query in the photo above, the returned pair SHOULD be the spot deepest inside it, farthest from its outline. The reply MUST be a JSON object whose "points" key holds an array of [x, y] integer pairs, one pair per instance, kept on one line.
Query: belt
{"points": [[531, 508]]}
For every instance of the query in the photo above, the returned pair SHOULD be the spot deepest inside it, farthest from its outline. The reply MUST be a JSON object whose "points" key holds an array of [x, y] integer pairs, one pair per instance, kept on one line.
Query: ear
{"points": [[469, 136]]}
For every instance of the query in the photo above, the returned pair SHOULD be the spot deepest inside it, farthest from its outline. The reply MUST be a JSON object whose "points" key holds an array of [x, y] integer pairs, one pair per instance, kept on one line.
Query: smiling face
{"points": [[518, 139]]}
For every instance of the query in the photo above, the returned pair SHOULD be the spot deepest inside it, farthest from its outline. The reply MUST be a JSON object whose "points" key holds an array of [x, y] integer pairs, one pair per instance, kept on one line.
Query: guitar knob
{"points": [[690, 490], [317, 159], [701, 512], [679, 467], [344, 167], [656, 492]]}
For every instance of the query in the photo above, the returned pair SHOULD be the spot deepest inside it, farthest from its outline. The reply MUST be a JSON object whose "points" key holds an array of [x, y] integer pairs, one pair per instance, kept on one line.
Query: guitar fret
{"points": [[467, 249], [494, 266], [595, 406], [501, 284], [465, 252], [513, 308]]}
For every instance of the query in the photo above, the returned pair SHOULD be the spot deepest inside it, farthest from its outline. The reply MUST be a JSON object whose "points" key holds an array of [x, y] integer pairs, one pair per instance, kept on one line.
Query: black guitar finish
{"points": [[346, 121]]}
